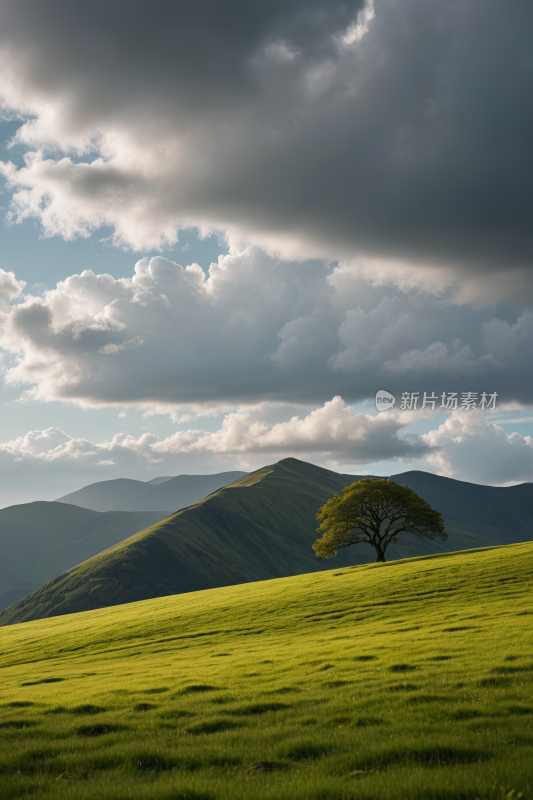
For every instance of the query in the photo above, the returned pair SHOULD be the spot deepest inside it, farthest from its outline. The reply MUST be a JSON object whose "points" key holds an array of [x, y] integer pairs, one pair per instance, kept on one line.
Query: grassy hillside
{"points": [[261, 526], [167, 494], [41, 540], [409, 679]]}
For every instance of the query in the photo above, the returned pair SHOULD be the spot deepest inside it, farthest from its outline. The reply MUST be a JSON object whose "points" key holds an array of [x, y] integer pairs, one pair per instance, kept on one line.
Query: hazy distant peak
{"points": [[164, 493]]}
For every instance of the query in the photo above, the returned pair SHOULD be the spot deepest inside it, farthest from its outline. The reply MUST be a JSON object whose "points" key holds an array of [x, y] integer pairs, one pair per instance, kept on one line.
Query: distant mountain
{"points": [[41, 540], [500, 515], [262, 526], [104, 495], [167, 494]]}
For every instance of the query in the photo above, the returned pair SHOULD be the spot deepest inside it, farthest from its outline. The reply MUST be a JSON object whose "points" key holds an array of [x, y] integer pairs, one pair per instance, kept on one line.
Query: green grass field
{"points": [[410, 679]]}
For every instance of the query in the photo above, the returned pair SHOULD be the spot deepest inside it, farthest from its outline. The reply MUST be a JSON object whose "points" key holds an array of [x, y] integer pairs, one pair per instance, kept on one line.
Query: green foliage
{"points": [[407, 708], [375, 512]]}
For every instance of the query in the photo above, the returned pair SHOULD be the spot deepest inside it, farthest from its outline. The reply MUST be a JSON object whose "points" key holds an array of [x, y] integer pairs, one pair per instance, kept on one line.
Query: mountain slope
{"points": [[261, 526], [103, 495], [167, 494], [493, 512], [40, 540]]}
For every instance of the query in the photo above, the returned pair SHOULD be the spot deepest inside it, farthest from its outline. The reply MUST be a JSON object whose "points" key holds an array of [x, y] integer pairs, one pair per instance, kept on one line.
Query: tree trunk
{"points": [[380, 554]]}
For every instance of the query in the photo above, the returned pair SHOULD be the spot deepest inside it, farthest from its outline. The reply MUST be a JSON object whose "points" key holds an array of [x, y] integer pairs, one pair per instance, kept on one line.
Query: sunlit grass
{"points": [[410, 679]]}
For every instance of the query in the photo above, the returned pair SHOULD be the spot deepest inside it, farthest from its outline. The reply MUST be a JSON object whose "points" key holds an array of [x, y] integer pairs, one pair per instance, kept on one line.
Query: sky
{"points": [[226, 226]]}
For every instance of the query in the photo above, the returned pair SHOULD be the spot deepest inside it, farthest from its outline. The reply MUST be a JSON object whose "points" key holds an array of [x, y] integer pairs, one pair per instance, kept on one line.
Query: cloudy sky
{"points": [[227, 225]]}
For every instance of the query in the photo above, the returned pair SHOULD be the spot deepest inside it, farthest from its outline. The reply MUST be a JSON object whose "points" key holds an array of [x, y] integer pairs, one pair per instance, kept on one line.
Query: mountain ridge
{"points": [[167, 494]]}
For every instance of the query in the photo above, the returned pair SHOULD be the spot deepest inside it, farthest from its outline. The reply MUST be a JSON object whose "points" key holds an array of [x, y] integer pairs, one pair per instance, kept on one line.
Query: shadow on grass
{"points": [[214, 726], [402, 668], [402, 687], [336, 684], [494, 681], [87, 709], [176, 714], [18, 704], [465, 713], [419, 699], [367, 723], [17, 724], [186, 794], [266, 766], [519, 710], [512, 670], [258, 708], [99, 730], [459, 628], [425, 756]]}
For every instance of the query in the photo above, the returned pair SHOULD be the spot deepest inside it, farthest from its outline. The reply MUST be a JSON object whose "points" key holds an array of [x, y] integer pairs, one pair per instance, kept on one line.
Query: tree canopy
{"points": [[377, 512]]}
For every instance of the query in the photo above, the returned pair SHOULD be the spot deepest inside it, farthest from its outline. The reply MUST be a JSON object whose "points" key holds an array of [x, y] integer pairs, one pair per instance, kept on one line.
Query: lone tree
{"points": [[377, 512]]}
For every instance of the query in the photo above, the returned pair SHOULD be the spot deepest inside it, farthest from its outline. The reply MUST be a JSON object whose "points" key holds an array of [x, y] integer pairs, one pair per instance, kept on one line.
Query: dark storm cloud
{"points": [[400, 131], [163, 56]]}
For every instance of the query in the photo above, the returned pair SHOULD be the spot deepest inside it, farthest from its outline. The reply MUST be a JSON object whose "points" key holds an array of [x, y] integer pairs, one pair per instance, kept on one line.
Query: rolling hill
{"points": [[259, 527], [410, 679], [166, 494], [40, 540]]}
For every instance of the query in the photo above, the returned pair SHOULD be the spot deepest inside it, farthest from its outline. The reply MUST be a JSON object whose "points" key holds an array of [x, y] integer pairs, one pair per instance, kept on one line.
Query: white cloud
{"points": [[389, 336], [370, 337], [333, 433], [356, 30], [171, 339], [510, 342], [303, 341], [454, 359], [10, 288], [471, 448], [45, 464]]}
